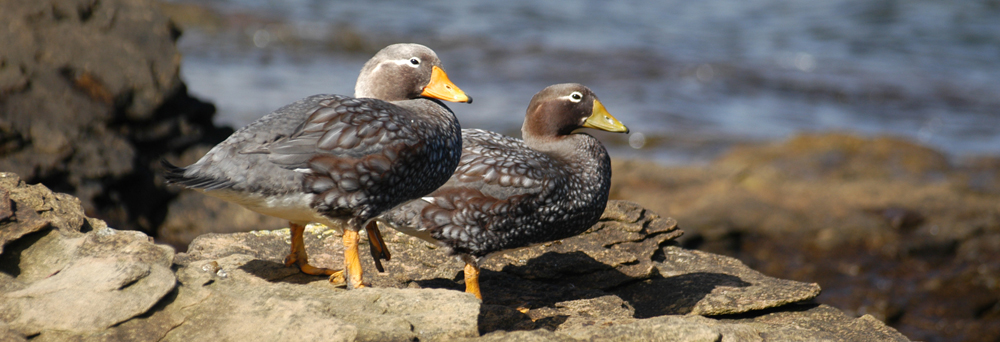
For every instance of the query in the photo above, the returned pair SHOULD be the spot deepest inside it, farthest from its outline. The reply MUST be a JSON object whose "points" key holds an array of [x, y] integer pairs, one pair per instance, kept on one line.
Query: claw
{"points": [[299, 257], [337, 279]]}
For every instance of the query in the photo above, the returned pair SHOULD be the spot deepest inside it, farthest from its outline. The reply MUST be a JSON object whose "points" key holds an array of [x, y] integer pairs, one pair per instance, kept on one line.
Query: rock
{"points": [[61, 211], [26, 209], [19, 218], [840, 156], [805, 323], [618, 249], [622, 262], [864, 217], [280, 303], [708, 284], [8, 335], [623, 280], [279, 310], [91, 99], [62, 277], [539, 335], [664, 328]]}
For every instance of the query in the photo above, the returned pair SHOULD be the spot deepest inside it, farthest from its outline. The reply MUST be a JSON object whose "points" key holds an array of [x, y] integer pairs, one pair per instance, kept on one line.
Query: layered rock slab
{"points": [[71, 278]]}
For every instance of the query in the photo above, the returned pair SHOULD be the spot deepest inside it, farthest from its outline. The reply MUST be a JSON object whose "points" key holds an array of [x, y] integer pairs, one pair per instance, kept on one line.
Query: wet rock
{"points": [[90, 98]]}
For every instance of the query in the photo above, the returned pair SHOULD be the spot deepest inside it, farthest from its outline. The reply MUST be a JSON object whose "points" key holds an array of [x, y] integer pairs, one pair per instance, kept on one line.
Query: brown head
{"points": [[558, 110]]}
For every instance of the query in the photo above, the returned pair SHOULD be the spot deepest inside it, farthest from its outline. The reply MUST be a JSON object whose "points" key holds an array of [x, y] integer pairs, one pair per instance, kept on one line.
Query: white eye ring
{"points": [[414, 62], [576, 97]]}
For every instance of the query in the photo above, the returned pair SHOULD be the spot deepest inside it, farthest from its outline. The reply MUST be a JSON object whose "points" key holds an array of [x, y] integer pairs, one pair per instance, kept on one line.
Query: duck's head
{"points": [[406, 71], [560, 109]]}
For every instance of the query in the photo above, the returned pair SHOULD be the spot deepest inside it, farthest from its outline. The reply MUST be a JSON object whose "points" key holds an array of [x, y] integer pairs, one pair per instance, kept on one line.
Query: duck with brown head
{"points": [[508, 193], [334, 158]]}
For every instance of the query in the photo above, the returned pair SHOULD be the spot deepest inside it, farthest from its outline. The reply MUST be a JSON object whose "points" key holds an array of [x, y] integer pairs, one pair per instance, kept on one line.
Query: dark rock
{"points": [[90, 98]]}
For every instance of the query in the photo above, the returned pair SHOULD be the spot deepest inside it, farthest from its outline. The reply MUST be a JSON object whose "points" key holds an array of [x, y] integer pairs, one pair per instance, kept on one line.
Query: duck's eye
{"points": [[575, 96], [415, 61]]}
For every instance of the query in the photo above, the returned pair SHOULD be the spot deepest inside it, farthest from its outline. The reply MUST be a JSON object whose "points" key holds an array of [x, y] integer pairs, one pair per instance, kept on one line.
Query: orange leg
{"points": [[352, 263], [377, 245], [299, 257], [472, 277]]}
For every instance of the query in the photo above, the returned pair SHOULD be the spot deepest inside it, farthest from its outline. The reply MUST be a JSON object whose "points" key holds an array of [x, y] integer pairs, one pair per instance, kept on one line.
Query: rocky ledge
{"points": [[64, 276]]}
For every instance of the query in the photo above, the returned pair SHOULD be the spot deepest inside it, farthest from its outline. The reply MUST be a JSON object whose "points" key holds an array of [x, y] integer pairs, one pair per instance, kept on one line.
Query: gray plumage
{"points": [[332, 157], [508, 193]]}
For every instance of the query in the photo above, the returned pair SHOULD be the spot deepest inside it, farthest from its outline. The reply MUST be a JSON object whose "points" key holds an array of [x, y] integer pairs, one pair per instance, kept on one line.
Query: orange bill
{"points": [[441, 88]]}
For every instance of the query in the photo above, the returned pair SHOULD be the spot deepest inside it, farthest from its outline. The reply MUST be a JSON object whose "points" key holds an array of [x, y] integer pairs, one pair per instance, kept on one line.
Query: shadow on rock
{"points": [[277, 272], [535, 295], [10, 262], [675, 295]]}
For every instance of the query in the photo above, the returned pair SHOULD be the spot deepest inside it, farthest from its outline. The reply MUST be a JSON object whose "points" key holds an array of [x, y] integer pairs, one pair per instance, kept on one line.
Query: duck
{"points": [[508, 193], [340, 160]]}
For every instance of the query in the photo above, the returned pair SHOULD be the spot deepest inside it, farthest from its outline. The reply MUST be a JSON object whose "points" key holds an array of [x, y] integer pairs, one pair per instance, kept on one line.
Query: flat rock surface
{"points": [[622, 280]]}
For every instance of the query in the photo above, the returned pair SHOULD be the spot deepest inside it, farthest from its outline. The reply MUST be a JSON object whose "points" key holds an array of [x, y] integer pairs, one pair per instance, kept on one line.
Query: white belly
{"points": [[295, 208]]}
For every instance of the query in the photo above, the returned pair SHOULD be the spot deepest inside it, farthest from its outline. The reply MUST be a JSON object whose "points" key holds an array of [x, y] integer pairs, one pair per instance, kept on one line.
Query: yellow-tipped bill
{"points": [[602, 120], [441, 88]]}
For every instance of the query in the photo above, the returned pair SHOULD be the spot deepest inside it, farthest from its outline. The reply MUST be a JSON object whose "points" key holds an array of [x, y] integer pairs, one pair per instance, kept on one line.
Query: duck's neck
{"points": [[579, 149], [589, 170], [377, 83], [375, 91]]}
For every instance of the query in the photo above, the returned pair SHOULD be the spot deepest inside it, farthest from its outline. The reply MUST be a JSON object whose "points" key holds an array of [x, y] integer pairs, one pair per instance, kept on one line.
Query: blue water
{"points": [[688, 77]]}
